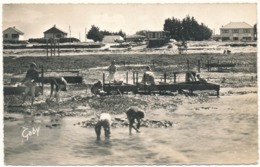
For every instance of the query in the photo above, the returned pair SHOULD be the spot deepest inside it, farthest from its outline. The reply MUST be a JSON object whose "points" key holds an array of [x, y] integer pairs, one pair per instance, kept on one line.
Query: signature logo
{"points": [[27, 132]]}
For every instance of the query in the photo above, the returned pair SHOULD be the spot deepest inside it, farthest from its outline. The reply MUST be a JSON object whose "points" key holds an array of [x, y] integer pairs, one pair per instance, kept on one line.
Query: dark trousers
{"points": [[105, 124]]}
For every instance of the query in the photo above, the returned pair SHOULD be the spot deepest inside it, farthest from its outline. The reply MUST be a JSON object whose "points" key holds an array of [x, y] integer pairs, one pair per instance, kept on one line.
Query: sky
{"points": [[34, 18]]}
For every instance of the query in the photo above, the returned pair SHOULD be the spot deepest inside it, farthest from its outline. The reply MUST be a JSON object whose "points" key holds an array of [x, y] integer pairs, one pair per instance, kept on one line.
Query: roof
{"points": [[236, 25], [159, 31], [54, 29], [112, 38], [14, 29], [135, 36]]}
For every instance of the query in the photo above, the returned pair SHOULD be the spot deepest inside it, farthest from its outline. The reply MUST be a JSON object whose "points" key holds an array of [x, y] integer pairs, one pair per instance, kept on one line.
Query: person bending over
{"points": [[96, 88], [104, 121], [57, 84], [134, 113]]}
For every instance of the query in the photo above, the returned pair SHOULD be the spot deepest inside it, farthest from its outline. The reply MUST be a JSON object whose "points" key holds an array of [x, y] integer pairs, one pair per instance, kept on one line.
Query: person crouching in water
{"points": [[60, 85], [134, 113], [103, 121], [29, 81], [96, 88]]}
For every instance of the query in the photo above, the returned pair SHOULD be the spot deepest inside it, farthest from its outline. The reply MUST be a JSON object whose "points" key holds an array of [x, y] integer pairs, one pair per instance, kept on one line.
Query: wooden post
{"points": [[42, 75], [218, 66], [165, 77], [133, 77], [198, 65], [153, 64], [127, 77], [136, 78], [208, 65], [104, 78], [174, 77], [188, 65]]}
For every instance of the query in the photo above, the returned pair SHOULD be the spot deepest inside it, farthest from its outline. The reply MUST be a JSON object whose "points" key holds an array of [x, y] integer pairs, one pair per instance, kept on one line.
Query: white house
{"points": [[54, 32], [12, 34], [237, 31]]}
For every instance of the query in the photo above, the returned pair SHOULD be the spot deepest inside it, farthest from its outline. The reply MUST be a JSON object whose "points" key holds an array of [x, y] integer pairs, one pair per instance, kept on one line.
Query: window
{"points": [[157, 35], [235, 38], [58, 36], [235, 31], [225, 38], [15, 35], [149, 35], [247, 38], [246, 30], [6, 35], [225, 31]]}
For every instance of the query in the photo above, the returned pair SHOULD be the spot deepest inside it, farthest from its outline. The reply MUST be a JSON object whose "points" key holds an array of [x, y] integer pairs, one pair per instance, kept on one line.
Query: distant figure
{"points": [[148, 77], [29, 81], [201, 79], [112, 69], [190, 77], [96, 88], [60, 85], [104, 121], [223, 80], [134, 113], [226, 52]]}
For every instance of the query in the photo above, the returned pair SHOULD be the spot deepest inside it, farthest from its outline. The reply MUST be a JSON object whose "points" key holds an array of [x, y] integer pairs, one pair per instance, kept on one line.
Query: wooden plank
{"points": [[8, 90], [73, 79], [69, 79], [122, 88]]}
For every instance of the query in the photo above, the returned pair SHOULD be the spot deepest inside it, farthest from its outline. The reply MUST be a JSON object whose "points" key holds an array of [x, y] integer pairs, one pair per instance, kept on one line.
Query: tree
{"points": [[187, 29], [94, 34], [141, 32]]}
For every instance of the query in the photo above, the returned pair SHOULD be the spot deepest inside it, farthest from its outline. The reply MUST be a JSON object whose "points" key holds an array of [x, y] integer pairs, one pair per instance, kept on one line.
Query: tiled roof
{"points": [[54, 29], [15, 29], [236, 25]]}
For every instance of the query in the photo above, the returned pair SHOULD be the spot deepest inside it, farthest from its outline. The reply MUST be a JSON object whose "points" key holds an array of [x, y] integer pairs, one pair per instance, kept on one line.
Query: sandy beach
{"points": [[205, 129]]}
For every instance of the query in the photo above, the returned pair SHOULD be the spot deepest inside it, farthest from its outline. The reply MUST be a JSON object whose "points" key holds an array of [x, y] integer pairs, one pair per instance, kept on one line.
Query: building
{"points": [[12, 34], [157, 38], [112, 39], [237, 31], [216, 37], [134, 38], [54, 32]]}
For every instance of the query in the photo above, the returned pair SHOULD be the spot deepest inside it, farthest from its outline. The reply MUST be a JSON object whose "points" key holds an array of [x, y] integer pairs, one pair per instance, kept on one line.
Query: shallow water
{"points": [[222, 131]]}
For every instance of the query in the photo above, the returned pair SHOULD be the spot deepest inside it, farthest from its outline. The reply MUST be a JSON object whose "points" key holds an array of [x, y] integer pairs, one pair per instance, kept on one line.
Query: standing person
{"points": [[29, 81], [148, 77], [104, 121], [112, 69], [134, 113]]}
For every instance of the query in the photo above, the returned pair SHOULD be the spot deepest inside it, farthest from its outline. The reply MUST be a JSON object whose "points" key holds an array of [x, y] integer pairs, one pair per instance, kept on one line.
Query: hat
{"points": [[33, 65]]}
